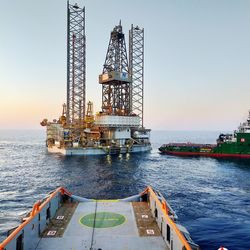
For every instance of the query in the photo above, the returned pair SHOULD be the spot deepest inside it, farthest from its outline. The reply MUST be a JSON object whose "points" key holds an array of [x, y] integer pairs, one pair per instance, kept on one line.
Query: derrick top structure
{"points": [[116, 57], [115, 78]]}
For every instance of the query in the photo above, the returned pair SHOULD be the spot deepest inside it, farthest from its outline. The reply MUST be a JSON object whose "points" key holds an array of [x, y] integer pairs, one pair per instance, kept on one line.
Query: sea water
{"points": [[211, 197]]}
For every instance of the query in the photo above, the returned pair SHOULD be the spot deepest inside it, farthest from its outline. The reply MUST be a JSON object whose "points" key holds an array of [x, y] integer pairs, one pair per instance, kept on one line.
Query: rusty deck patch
{"points": [[59, 223], [146, 224]]}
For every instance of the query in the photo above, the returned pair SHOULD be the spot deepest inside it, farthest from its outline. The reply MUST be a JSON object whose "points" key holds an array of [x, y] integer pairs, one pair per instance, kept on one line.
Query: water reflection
{"points": [[127, 156], [109, 159], [109, 176]]}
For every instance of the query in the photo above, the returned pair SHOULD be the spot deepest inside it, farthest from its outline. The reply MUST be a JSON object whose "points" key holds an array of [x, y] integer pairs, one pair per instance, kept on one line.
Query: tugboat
{"points": [[66, 221], [235, 145]]}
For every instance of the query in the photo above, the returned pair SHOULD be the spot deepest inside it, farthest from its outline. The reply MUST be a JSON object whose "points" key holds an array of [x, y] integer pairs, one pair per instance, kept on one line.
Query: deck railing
{"points": [[164, 217], [28, 232]]}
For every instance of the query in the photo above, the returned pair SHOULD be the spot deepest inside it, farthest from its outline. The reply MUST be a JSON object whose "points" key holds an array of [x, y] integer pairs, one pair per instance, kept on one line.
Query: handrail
{"points": [[37, 207], [145, 191], [170, 221]]}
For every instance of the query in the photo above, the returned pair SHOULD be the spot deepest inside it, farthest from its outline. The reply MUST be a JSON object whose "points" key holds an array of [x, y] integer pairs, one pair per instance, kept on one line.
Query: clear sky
{"points": [[197, 59]]}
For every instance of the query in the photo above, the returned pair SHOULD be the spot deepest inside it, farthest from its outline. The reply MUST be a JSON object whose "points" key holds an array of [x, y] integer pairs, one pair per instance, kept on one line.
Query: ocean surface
{"points": [[211, 197]]}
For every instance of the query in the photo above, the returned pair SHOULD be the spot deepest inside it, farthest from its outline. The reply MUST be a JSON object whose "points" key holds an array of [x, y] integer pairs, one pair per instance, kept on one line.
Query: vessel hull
{"points": [[212, 155], [99, 151]]}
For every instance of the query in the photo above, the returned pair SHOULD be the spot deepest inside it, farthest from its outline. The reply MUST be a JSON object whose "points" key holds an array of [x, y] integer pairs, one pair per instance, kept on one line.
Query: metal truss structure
{"points": [[136, 68], [76, 64], [115, 78]]}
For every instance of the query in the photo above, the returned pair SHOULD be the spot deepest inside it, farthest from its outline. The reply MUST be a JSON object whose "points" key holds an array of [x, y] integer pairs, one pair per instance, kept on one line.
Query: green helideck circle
{"points": [[102, 220]]}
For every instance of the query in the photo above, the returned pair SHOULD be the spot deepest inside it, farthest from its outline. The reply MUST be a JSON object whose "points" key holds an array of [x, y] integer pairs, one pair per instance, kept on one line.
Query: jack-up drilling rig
{"points": [[119, 127]]}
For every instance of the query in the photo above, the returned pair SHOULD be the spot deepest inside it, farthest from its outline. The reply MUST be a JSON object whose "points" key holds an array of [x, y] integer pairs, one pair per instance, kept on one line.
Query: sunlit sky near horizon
{"points": [[197, 60]]}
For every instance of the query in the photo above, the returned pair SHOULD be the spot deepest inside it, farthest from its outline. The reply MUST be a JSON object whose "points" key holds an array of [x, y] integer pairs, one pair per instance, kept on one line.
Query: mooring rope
{"points": [[93, 231]]}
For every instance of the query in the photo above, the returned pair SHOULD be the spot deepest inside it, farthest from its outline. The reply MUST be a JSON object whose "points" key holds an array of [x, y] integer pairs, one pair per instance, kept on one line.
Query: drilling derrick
{"points": [[136, 68], [76, 65], [118, 127], [115, 78]]}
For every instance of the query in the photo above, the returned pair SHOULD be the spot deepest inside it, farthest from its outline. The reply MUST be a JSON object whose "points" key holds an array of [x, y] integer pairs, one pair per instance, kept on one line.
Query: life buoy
{"points": [[222, 248]]}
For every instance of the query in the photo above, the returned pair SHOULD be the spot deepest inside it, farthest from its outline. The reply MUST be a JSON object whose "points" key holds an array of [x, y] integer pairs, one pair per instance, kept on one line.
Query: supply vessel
{"points": [[119, 126], [235, 145], [66, 221]]}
